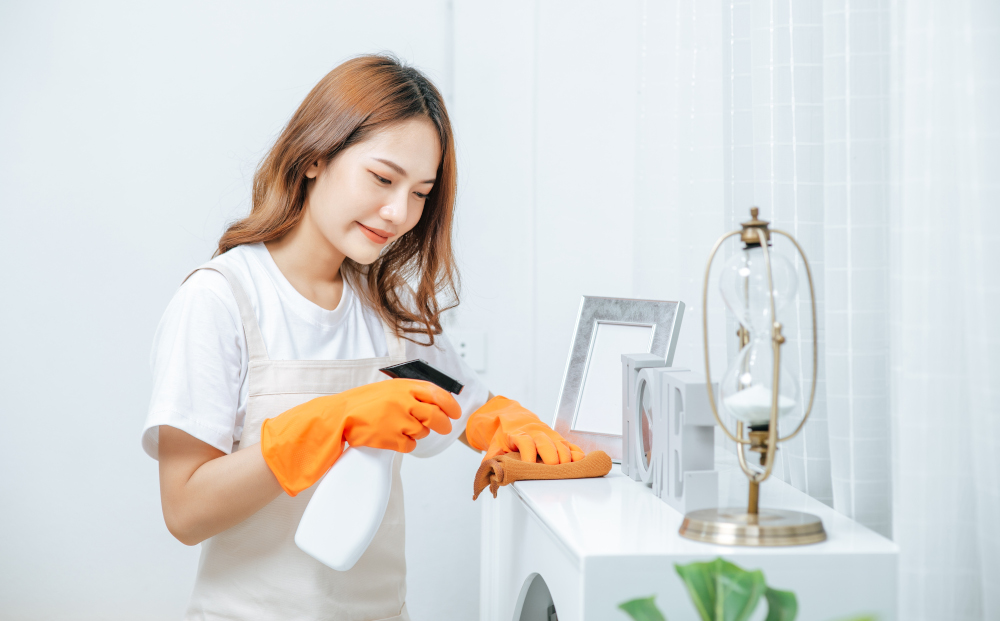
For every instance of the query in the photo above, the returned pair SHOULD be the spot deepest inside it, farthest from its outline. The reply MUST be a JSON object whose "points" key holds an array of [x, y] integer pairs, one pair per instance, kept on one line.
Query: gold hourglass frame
{"points": [[756, 527]]}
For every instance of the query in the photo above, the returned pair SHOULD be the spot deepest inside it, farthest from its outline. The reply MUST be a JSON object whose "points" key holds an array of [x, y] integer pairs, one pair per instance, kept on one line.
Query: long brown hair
{"points": [[358, 98]]}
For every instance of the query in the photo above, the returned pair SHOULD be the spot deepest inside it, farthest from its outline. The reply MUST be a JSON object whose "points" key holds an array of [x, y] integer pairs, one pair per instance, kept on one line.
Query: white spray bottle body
{"points": [[349, 502], [347, 507]]}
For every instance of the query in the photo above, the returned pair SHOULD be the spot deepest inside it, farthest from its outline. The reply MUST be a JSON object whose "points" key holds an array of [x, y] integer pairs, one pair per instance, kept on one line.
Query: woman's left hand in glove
{"points": [[505, 426]]}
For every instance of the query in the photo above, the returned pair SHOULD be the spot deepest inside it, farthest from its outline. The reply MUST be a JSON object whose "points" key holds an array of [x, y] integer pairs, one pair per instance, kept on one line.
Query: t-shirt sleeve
{"points": [[198, 363], [443, 355]]}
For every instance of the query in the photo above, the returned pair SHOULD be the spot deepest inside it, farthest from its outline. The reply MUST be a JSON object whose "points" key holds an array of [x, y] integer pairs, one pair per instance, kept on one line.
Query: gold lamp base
{"points": [[736, 527]]}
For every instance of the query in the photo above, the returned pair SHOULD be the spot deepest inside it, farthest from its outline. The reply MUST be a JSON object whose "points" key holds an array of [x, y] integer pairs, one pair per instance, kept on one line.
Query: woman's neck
{"points": [[310, 263]]}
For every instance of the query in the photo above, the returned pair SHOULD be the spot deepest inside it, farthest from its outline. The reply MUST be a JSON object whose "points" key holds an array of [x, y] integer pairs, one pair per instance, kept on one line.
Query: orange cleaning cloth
{"points": [[507, 468]]}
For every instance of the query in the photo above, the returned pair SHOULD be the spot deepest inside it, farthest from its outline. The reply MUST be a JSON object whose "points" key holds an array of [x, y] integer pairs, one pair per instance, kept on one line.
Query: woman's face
{"points": [[373, 192]]}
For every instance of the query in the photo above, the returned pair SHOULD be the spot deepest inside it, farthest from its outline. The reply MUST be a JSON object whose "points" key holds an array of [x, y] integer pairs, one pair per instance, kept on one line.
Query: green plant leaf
{"points": [[781, 605], [722, 591], [643, 609], [739, 594], [700, 583]]}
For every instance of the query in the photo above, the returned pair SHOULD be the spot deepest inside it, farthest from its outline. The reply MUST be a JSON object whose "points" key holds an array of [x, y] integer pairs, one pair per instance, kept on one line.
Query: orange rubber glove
{"points": [[505, 426], [301, 444]]}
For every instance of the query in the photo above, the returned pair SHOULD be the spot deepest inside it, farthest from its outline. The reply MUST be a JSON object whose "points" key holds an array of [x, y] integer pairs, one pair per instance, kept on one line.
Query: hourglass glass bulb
{"points": [[743, 284], [746, 389]]}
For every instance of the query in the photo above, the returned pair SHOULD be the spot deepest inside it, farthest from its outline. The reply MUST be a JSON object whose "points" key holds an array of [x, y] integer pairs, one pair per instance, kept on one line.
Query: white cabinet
{"points": [[599, 542]]}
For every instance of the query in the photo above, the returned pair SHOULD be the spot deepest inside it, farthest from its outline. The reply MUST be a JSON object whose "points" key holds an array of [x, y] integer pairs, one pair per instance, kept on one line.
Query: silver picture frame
{"points": [[663, 317]]}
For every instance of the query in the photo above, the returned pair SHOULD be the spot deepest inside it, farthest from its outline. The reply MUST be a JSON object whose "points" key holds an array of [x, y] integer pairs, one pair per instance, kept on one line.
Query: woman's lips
{"points": [[372, 235]]}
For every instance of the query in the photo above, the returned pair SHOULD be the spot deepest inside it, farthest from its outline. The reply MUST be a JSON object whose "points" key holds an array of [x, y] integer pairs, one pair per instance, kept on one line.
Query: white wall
{"points": [[128, 137]]}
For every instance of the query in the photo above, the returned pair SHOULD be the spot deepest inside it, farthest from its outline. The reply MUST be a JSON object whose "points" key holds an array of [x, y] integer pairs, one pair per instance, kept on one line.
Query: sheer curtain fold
{"points": [[679, 144], [944, 291], [856, 186], [773, 158]]}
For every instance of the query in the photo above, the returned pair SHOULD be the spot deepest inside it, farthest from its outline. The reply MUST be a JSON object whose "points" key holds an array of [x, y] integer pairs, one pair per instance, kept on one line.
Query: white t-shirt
{"points": [[199, 358]]}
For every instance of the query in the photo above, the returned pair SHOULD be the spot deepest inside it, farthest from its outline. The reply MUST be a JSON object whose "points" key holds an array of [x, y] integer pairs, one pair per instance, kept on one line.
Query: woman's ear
{"points": [[313, 171]]}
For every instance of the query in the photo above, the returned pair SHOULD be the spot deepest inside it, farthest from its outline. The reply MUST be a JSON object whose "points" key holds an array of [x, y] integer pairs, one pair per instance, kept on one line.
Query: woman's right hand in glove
{"points": [[301, 444]]}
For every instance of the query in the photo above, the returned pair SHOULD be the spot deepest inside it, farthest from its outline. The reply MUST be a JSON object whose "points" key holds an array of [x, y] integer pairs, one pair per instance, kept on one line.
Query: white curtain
{"points": [[679, 191], [944, 223], [856, 212], [870, 130], [773, 158]]}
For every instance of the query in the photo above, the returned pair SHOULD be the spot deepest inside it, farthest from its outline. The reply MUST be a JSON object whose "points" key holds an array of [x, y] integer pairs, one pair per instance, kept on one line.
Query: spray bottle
{"points": [[349, 503]]}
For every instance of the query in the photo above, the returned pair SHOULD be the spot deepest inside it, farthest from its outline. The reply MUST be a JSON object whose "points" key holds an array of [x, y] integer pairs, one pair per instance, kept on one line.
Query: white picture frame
{"points": [[589, 413]]}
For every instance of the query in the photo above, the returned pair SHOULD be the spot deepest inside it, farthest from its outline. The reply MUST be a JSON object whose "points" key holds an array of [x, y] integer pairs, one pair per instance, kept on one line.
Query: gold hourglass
{"points": [[757, 285]]}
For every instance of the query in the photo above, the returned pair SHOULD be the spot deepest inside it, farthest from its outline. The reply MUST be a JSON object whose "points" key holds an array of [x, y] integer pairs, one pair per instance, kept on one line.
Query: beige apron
{"points": [[254, 570]]}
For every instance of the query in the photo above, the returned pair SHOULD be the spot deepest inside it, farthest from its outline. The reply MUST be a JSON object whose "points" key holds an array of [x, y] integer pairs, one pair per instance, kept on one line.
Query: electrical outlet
{"points": [[471, 346]]}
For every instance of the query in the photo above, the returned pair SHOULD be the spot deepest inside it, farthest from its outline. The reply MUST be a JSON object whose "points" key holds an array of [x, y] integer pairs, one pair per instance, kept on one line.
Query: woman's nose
{"points": [[395, 211]]}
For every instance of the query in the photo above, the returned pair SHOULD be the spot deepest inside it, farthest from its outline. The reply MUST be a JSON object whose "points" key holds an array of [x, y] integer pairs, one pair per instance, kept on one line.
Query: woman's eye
{"points": [[381, 179], [421, 196]]}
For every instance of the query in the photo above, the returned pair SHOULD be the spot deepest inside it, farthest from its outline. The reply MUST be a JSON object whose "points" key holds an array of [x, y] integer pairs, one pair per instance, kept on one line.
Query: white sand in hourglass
{"points": [[753, 405]]}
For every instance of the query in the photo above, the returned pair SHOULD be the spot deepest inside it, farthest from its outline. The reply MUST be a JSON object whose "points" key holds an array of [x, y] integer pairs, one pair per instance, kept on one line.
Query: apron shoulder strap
{"points": [[251, 329], [395, 344]]}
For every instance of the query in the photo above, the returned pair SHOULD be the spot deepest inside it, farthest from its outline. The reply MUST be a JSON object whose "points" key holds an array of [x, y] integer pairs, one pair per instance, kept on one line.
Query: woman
{"points": [[266, 360]]}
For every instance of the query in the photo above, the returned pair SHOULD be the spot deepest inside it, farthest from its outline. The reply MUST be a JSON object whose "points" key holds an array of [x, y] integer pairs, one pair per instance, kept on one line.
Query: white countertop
{"points": [[616, 516]]}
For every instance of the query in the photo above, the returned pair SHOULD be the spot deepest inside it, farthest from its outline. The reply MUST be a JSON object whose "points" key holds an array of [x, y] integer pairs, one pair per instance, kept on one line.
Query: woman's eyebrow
{"points": [[398, 168]]}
